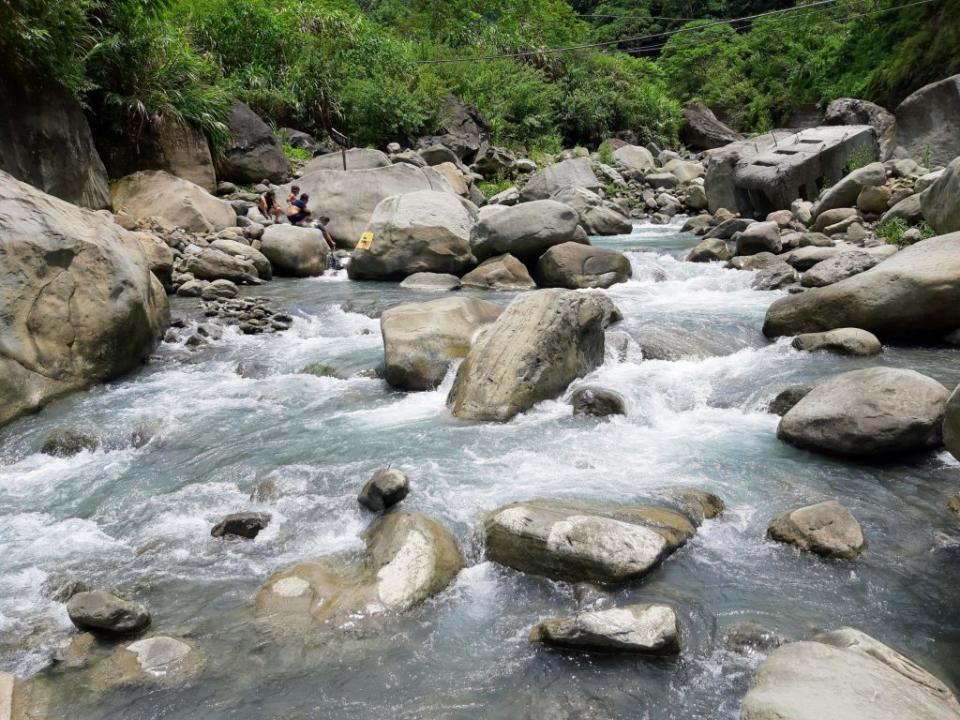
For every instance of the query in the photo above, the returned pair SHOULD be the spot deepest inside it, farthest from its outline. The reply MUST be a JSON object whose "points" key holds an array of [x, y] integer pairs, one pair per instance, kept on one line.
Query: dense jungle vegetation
{"points": [[361, 65]]}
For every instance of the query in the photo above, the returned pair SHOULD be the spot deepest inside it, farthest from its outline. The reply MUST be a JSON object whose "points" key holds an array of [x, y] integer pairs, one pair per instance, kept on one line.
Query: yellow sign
{"points": [[366, 240]]}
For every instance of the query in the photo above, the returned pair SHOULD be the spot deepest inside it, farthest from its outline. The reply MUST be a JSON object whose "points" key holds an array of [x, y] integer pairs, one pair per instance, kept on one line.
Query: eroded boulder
{"points": [[940, 204], [928, 122], [573, 173], [842, 341], [252, 153], [525, 231], [643, 629], [178, 202], [501, 272], [106, 614], [575, 266]]}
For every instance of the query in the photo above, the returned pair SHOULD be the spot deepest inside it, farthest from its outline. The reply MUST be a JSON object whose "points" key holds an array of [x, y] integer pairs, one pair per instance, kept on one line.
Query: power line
{"points": [[606, 43], [640, 17]]}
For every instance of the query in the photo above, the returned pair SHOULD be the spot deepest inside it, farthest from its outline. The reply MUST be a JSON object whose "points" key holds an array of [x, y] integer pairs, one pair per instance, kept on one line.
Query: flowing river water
{"points": [[137, 520]]}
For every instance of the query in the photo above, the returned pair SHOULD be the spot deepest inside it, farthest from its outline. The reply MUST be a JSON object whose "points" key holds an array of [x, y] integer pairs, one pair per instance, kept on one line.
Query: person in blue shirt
{"points": [[301, 213], [321, 225]]}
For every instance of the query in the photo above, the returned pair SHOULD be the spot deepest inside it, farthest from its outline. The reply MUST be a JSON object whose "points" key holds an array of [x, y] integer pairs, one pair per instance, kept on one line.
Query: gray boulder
{"points": [[726, 229], [573, 173], [433, 282], [494, 162], [951, 425], [759, 237], [845, 193], [159, 256], [928, 123], [868, 413], [575, 266], [409, 558], [844, 265], [595, 218], [502, 272], [178, 202], [909, 209], [788, 397], [536, 348], [635, 158], [103, 613], [239, 249], [915, 294], [220, 289], [420, 340], [423, 231], [385, 489], [295, 251], [845, 675], [826, 529], [710, 250], [585, 542], [597, 401], [830, 218], [701, 130], [243, 524], [852, 111], [80, 304], [842, 341], [357, 159], [806, 257], [208, 263], [642, 629], [940, 204], [67, 442], [525, 231], [252, 153], [874, 200]]}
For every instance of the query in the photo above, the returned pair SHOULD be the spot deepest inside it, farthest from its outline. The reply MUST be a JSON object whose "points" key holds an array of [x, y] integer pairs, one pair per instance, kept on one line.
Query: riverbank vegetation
{"points": [[379, 71]]}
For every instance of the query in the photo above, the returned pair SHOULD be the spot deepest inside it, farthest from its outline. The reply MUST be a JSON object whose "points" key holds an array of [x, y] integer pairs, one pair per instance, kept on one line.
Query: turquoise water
{"points": [[138, 520]]}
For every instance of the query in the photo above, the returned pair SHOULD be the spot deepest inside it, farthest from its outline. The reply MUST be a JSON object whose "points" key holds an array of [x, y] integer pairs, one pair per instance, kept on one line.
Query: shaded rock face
{"points": [[951, 425], [843, 265], [597, 401], [826, 529], [642, 629], [45, 141], [350, 198], [420, 340], [244, 524], [155, 193], [852, 111], [252, 153], [710, 250], [525, 231], [584, 542], [385, 489], [871, 412], [575, 266], [423, 231], [846, 675], [501, 272], [80, 304], [164, 144], [788, 397], [67, 442], [913, 295], [535, 349], [409, 558], [940, 204], [759, 237], [844, 193], [702, 130], [295, 251], [928, 122], [103, 613], [466, 129], [842, 341], [573, 173]]}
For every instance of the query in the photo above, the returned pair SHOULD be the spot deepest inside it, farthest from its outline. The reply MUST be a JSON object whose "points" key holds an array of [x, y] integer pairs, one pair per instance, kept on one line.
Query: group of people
{"points": [[297, 212]]}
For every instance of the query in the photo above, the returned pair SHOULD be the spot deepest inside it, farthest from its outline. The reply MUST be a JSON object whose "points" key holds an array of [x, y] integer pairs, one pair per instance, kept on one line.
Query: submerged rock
{"points": [[103, 613], [243, 524], [842, 341], [410, 557], [439, 282], [747, 638], [385, 489], [420, 340], [870, 412], [597, 401], [536, 348], [845, 674], [951, 424], [643, 629], [826, 529], [788, 397], [579, 541], [155, 660], [67, 442]]}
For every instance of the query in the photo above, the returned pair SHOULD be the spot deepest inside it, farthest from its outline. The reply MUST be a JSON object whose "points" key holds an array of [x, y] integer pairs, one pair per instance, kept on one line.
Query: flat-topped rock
{"points": [[842, 341], [643, 629], [826, 529]]}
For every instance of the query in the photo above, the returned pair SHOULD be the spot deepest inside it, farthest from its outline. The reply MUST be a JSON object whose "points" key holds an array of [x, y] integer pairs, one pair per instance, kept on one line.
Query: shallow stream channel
{"points": [[137, 520]]}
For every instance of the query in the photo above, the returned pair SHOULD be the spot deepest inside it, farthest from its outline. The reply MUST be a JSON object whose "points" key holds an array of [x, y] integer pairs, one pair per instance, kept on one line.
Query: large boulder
{"points": [[349, 198], [101, 612], [928, 123], [845, 193], [80, 304], [537, 347], [159, 256], [595, 218], [759, 237], [162, 144], [252, 153], [845, 264], [465, 128], [295, 251], [913, 295], [409, 558], [586, 542], [208, 263], [420, 340], [868, 413], [643, 629], [178, 202], [422, 231], [842, 341], [826, 529], [685, 170], [575, 266], [356, 159], [635, 158], [710, 250], [702, 130], [525, 231], [951, 424], [239, 249], [852, 111], [573, 173], [845, 675], [501, 272], [45, 141], [941, 202]]}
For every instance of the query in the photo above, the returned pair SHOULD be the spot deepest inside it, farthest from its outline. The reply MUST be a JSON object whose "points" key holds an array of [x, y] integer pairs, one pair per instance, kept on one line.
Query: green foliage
{"points": [[319, 369], [492, 187], [605, 154], [891, 231], [861, 158], [296, 153]]}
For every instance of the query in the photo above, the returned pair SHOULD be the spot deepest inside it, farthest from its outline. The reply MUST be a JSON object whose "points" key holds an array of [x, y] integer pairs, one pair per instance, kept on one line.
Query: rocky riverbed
{"points": [[250, 422]]}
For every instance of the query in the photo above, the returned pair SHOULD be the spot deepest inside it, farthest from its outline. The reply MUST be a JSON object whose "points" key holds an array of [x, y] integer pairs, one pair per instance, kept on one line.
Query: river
{"points": [[138, 520]]}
